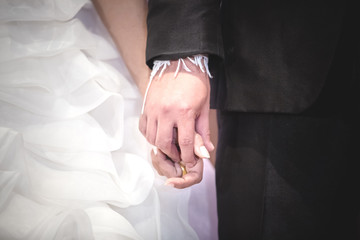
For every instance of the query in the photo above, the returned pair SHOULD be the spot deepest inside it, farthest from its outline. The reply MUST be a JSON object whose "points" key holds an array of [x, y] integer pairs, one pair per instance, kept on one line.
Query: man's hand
{"points": [[178, 104], [167, 167]]}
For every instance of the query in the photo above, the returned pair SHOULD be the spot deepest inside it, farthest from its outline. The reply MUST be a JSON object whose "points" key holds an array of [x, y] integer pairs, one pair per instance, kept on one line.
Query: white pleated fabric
{"points": [[73, 164]]}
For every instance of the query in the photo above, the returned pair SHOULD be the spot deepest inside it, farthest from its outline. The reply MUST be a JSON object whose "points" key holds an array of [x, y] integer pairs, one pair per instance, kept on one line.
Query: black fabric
{"points": [[287, 177], [277, 54], [240, 175], [295, 176], [183, 28]]}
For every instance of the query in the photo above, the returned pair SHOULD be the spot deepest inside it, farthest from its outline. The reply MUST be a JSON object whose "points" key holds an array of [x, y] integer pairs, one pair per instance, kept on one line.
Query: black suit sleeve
{"points": [[180, 28]]}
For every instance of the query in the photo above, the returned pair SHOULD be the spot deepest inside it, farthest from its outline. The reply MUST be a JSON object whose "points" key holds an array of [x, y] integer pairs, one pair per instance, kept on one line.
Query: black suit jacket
{"points": [[266, 55]]}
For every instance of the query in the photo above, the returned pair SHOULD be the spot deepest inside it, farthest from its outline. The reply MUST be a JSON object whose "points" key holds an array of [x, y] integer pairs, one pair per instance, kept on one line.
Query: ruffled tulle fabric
{"points": [[73, 164]]}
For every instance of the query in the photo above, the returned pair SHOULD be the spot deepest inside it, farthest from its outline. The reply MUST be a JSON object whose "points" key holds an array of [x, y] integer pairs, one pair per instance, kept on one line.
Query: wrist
{"points": [[196, 63]]}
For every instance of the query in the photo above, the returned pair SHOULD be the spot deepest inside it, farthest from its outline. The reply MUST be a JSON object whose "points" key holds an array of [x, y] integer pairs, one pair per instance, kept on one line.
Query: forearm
{"points": [[178, 29], [126, 22]]}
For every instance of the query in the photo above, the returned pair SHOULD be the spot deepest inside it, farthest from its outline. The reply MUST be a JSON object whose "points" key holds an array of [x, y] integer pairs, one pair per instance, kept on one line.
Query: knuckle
{"points": [[163, 143], [184, 107], [185, 142], [186, 110], [207, 133], [166, 108]]}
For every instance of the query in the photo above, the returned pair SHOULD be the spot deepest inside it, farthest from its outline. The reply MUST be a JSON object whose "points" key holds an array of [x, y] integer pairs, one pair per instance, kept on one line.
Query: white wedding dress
{"points": [[73, 164]]}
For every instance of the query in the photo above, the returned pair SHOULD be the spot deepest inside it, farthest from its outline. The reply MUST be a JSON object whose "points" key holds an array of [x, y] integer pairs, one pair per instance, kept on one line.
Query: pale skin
{"points": [[180, 102], [184, 102], [126, 22], [167, 167]]}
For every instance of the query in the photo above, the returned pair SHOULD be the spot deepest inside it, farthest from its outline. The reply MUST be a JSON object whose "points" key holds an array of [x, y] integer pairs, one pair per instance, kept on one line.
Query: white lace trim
{"points": [[163, 64]]}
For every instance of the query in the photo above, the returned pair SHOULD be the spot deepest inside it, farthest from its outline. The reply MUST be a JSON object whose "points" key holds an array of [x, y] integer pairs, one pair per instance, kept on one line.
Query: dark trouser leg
{"points": [[286, 177], [240, 175]]}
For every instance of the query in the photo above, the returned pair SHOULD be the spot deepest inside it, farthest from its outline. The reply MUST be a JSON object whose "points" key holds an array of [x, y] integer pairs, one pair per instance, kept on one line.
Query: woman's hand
{"points": [[172, 169]]}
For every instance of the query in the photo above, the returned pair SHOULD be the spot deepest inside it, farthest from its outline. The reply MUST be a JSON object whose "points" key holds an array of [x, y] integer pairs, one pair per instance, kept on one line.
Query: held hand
{"points": [[166, 167], [180, 103]]}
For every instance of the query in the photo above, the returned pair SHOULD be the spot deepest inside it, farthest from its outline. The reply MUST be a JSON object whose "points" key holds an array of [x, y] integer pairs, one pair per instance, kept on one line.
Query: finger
{"points": [[164, 140], [186, 134], [194, 176], [199, 148], [155, 159], [151, 128], [163, 165], [203, 127], [142, 124]]}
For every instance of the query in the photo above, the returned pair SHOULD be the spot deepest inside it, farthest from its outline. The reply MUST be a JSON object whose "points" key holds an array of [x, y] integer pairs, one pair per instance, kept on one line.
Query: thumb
{"points": [[203, 128], [199, 148]]}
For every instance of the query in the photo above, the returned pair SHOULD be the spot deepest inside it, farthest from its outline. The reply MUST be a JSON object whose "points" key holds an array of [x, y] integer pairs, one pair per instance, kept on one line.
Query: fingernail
{"points": [[204, 152], [155, 150]]}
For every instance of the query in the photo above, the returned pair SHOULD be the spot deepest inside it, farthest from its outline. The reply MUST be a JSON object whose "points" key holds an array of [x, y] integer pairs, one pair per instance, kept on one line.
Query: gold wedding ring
{"points": [[183, 169]]}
